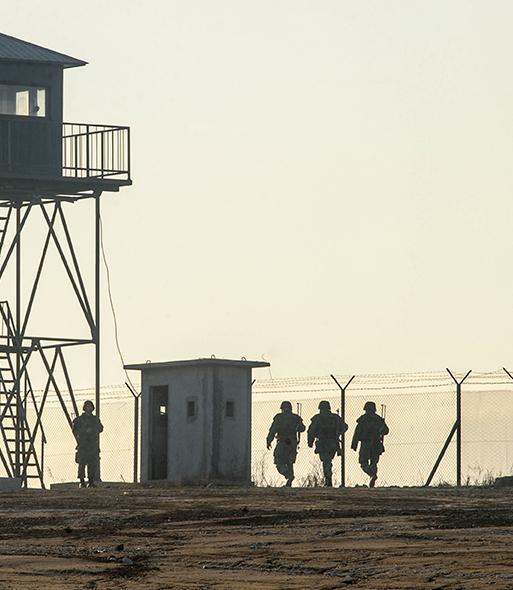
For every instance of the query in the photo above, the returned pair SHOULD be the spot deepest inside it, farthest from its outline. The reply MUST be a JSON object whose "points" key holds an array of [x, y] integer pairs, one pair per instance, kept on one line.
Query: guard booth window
{"points": [[25, 101], [192, 409], [230, 409]]}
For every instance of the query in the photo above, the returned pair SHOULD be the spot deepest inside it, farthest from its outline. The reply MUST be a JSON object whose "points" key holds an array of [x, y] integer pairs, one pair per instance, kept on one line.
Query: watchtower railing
{"points": [[95, 151], [38, 148]]}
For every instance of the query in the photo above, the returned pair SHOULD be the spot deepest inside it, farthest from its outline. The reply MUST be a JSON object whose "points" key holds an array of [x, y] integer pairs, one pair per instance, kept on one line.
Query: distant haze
{"points": [[327, 184]]}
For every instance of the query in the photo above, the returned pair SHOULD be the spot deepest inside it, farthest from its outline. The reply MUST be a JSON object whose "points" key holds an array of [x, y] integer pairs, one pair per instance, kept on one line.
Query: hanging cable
{"points": [[114, 317]]}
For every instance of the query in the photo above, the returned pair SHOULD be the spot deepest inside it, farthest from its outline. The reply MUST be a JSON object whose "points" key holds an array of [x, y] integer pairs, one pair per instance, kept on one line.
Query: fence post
{"points": [[458, 424], [136, 397], [455, 429], [343, 438]]}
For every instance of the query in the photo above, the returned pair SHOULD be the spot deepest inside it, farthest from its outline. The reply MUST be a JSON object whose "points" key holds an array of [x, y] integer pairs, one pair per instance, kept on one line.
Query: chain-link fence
{"points": [[420, 411]]}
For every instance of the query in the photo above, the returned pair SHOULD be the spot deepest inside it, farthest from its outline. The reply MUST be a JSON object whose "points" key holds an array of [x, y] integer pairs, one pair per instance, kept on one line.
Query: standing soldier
{"points": [[326, 428], [369, 432], [86, 429], [286, 427]]}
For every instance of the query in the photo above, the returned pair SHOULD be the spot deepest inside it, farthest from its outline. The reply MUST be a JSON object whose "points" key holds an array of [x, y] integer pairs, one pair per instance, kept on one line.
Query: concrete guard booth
{"points": [[196, 420]]}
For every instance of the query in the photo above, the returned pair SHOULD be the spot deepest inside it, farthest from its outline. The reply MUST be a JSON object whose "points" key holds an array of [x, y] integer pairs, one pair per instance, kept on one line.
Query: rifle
{"points": [[382, 437], [299, 407]]}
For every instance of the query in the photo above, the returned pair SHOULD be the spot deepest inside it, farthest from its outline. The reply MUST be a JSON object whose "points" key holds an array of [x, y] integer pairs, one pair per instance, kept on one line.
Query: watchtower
{"points": [[196, 420], [47, 166]]}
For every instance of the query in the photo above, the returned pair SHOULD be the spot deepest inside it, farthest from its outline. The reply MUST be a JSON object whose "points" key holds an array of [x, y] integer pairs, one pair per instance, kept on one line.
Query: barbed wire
{"points": [[427, 381]]}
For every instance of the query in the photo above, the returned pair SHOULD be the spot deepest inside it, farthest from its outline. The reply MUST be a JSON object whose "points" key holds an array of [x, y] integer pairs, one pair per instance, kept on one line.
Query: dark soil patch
{"points": [[469, 518]]}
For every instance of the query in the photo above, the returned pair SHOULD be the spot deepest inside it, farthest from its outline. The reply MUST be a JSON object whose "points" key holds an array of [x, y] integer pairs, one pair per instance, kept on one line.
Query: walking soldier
{"points": [[369, 432], [325, 430], [286, 428]]}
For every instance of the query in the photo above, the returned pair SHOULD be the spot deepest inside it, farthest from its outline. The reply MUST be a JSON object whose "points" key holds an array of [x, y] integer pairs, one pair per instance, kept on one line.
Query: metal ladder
{"points": [[25, 463]]}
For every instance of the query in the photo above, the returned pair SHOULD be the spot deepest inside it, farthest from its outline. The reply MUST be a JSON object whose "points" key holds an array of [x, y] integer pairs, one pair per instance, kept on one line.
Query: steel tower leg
{"points": [[18, 423], [97, 311]]}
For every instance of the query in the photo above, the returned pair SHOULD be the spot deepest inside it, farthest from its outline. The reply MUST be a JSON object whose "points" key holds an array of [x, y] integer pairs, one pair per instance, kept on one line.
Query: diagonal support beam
{"points": [[38, 275], [74, 258], [68, 381], [85, 310], [56, 387], [15, 240], [5, 227], [441, 455]]}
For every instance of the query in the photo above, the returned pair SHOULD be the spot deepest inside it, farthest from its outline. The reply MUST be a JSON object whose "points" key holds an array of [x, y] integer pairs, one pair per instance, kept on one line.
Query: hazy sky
{"points": [[325, 183]]}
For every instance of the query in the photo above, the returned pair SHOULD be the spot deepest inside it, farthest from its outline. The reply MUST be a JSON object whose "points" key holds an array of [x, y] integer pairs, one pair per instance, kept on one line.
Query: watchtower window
{"points": [[24, 101]]}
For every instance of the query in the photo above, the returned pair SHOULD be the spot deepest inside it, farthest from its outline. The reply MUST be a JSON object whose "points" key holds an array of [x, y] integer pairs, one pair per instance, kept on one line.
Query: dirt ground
{"points": [[206, 538]]}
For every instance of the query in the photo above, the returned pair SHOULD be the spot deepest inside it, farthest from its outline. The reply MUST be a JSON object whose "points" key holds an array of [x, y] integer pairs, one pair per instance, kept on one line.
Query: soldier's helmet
{"points": [[286, 406], [324, 405], [88, 404], [369, 407]]}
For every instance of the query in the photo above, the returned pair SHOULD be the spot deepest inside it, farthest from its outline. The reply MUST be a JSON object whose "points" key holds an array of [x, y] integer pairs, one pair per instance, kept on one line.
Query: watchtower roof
{"points": [[12, 49]]}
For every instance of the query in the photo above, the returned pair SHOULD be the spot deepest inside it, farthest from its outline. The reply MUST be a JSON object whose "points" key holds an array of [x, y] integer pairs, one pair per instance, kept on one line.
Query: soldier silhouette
{"points": [[285, 427], [369, 432], [325, 430], [87, 428]]}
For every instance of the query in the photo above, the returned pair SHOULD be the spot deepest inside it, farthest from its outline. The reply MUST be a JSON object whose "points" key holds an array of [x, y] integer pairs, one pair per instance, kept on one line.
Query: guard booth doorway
{"points": [[159, 432]]}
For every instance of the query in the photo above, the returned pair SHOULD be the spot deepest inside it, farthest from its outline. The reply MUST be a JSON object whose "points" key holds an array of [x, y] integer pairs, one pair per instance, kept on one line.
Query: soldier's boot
{"points": [[91, 484], [328, 482], [373, 472], [281, 470], [83, 483], [289, 475]]}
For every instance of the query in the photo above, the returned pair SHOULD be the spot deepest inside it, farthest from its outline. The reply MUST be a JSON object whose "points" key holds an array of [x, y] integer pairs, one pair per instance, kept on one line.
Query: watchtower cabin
{"points": [[46, 166], [40, 154], [196, 420]]}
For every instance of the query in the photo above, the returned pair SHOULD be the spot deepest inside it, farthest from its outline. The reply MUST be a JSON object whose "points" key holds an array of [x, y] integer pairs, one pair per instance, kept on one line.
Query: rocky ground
{"points": [[258, 538]]}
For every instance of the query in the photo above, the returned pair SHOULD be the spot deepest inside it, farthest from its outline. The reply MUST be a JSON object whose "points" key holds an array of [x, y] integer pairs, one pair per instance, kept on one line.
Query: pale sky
{"points": [[325, 183]]}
